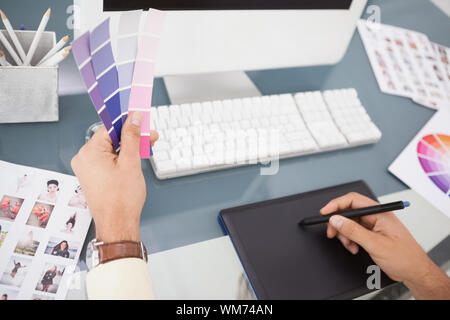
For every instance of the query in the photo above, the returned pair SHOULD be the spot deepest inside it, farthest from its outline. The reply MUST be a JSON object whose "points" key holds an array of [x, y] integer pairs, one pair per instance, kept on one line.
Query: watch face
{"points": [[92, 255]]}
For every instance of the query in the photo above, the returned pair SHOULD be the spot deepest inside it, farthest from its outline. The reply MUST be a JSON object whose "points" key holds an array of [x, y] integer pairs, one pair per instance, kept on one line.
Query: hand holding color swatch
{"points": [[124, 83]]}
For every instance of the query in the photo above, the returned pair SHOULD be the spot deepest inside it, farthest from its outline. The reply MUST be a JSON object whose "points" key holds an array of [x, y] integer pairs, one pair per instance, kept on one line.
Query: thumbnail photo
{"points": [[15, 271], [27, 244], [40, 214], [41, 297], [10, 207], [50, 191], [70, 223], [78, 199], [4, 228], [73, 222], [23, 182], [50, 278], [8, 294], [62, 248]]}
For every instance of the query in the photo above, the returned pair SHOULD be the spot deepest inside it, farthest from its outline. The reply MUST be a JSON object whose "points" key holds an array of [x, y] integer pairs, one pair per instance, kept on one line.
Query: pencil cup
{"points": [[28, 93]]}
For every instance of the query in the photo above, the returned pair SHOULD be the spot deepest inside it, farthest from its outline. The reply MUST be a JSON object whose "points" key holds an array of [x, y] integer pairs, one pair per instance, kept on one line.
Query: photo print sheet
{"points": [[406, 63], [44, 220]]}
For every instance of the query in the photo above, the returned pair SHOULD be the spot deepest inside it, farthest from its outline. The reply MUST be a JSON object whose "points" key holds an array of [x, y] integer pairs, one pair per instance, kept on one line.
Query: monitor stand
{"points": [[209, 87]]}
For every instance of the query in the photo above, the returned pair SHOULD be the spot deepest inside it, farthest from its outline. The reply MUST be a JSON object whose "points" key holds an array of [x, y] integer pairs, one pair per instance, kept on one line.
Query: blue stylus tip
{"points": [[406, 204]]}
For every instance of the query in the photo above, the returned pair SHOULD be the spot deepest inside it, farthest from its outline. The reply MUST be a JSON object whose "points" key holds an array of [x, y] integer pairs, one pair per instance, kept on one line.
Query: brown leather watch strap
{"points": [[124, 249]]}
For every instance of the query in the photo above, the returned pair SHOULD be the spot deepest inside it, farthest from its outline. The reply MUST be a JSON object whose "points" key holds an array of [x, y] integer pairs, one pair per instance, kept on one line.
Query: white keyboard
{"points": [[214, 135]]}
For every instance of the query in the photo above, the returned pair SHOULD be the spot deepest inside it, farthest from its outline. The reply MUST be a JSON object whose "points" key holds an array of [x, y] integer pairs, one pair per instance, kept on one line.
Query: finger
{"points": [[348, 244], [368, 221], [130, 140], [101, 140], [354, 231], [154, 136], [331, 232], [350, 200]]}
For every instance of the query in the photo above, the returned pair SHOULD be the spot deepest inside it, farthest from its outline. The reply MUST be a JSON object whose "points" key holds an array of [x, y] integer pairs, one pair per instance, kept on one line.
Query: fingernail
{"points": [[336, 222], [137, 118]]}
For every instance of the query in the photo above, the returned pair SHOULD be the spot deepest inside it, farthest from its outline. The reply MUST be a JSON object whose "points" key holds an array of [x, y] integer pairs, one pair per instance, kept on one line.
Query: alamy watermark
{"points": [[374, 280]]}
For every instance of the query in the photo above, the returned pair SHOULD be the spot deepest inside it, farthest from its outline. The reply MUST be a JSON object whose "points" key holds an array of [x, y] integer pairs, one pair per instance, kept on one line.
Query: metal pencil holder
{"points": [[29, 93]]}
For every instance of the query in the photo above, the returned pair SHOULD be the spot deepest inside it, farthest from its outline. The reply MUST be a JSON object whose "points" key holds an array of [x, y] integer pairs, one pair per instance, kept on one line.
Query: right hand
{"points": [[383, 236]]}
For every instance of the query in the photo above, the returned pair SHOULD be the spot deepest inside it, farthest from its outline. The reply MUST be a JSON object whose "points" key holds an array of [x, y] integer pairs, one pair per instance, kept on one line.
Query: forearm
{"points": [[124, 279], [434, 284]]}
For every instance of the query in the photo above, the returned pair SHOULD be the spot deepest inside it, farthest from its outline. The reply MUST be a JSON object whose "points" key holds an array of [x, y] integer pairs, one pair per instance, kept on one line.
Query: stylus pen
{"points": [[356, 212]]}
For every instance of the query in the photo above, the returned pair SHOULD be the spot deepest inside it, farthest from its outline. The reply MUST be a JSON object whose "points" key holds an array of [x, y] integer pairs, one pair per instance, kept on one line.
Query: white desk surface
{"points": [[211, 269]]}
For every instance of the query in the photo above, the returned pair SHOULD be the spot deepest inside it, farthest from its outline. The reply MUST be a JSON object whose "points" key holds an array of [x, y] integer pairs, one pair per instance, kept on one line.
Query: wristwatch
{"points": [[98, 252]]}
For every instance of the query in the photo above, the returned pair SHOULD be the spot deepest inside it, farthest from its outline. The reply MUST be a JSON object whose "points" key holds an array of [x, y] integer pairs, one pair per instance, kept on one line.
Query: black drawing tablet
{"points": [[285, 261]]}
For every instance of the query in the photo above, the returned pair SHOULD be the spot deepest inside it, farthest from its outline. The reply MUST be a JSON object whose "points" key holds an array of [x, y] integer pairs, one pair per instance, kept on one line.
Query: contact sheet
{"points": [[44, 220], [407, 64]]}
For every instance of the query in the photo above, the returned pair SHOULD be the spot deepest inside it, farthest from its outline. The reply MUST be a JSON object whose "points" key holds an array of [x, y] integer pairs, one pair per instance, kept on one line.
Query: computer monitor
{"points": [[207, 36]]}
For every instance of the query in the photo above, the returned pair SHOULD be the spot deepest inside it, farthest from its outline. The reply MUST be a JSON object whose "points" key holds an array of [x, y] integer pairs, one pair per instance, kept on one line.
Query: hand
{"points": [[113, 184], [390, 245]]}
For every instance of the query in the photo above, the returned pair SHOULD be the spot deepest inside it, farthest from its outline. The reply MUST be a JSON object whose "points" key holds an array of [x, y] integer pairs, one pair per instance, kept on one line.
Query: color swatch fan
{"points": [[424, 165], [121, 84], [434, 155]]}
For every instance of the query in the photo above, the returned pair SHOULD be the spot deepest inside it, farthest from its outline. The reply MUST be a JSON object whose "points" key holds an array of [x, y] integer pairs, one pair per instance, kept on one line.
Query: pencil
{"points": [[10, 49], [55, 49], [356, 212], [56, 58], [13, 36], [3, 61], [37, 37]]}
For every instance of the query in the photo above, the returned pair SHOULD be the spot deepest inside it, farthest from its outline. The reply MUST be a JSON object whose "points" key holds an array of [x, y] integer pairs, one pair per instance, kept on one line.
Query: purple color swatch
{"points": [[112, 104], [88, 76], [103, 59], [125, 78], [430, 166], [125, 74], [80, 48], [100, 35], [81, 53], [442, 182], [108, 82]]}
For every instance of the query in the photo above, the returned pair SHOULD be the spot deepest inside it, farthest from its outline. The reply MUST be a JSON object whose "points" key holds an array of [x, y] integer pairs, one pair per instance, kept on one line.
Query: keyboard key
{"points": [[165, 167]]}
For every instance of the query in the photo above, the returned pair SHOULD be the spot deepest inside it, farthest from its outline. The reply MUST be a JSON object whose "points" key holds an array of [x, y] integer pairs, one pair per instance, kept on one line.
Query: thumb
{"points": [[354, 231], [130, 139]]}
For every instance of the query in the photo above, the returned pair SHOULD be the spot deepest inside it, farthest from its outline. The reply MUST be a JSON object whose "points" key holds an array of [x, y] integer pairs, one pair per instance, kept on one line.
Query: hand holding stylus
{"points": [[390, 245]]}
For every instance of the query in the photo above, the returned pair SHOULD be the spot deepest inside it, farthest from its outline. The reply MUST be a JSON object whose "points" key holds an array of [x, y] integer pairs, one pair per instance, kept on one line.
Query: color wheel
{"points": [[433, 152]]}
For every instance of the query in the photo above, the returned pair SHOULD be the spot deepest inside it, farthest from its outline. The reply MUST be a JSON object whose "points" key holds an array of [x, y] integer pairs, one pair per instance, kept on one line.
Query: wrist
{"points": [[109, 234], [426, 283]]}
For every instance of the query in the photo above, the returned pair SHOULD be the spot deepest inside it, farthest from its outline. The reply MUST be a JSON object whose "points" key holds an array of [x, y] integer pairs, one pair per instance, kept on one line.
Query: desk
{"points": [[211, 269], [183, 211]]}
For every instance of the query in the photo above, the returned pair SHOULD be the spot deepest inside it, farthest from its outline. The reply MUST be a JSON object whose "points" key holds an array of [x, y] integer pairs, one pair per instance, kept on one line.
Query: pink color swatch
{"points": [[142, 85]]}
